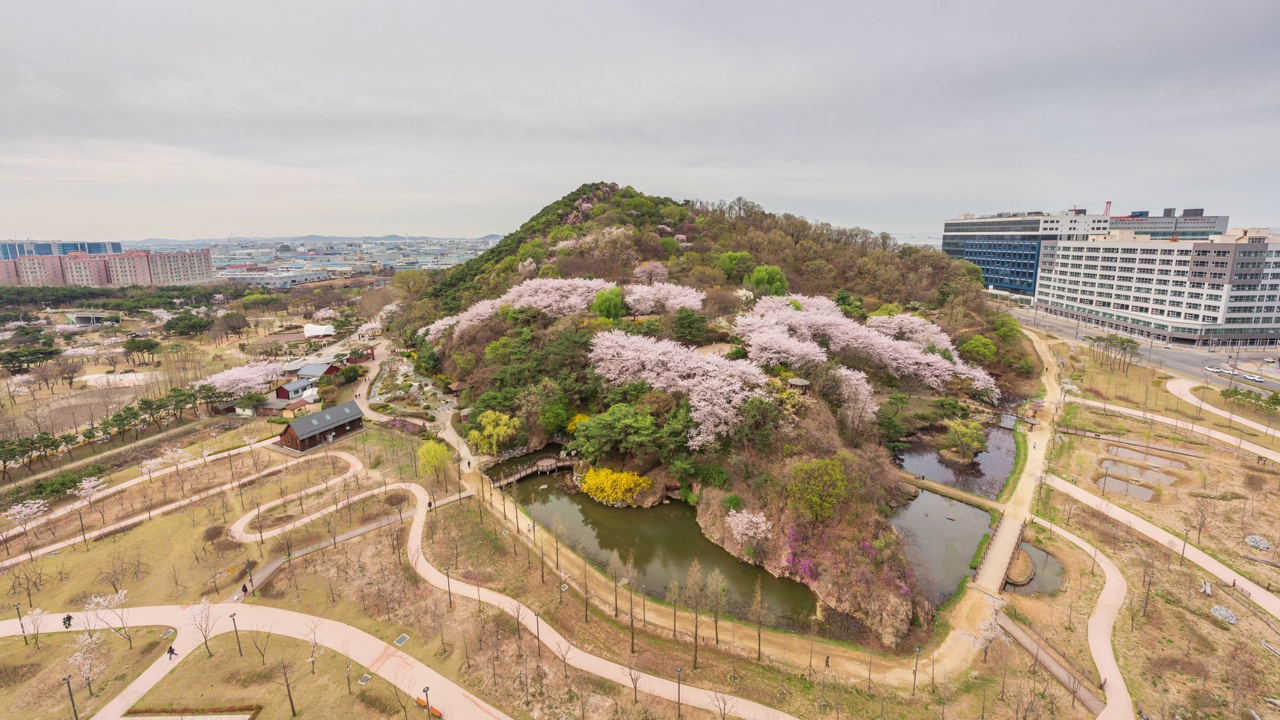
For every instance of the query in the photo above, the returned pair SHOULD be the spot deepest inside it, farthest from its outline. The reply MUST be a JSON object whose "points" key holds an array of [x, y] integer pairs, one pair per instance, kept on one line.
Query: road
{"points": [[1189, 362]]}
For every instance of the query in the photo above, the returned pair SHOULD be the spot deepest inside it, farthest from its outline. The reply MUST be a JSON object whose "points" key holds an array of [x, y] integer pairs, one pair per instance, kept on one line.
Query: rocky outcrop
{"points": [[887, 608]]}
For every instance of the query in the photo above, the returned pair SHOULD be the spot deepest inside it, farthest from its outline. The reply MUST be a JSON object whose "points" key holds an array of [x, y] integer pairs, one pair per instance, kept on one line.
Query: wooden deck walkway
{"points": [[537, 467]]}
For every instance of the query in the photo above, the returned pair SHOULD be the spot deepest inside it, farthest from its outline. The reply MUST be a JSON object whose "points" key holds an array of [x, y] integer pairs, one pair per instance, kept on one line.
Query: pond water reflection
{"points": [[985, 476]]}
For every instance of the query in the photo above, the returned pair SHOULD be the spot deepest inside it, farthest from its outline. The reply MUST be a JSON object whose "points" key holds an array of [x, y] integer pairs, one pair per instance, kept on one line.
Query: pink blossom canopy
{"points": [[661, 297], [716, 387], [553, 296], [237, 381], [915, 330]]}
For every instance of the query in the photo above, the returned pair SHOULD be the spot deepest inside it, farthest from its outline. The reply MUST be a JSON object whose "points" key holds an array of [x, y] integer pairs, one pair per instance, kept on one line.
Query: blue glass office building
{"points": [[1007, 246]]}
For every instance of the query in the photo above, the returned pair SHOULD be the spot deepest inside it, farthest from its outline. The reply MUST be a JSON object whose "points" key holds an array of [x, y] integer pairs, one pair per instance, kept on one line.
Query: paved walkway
{"points": [[1101, 624], [1181, 389], [108, 492], [382, 659], [354, 466], [1263, 599], [1226, 439]]}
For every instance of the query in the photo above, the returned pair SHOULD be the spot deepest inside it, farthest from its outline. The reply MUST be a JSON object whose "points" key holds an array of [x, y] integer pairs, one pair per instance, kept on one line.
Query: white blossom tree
{"points": [[748, 527], [661, 297], [86, 491], [237, 381], [110, 610], [26, 515], [35, 620], [89, 658]]}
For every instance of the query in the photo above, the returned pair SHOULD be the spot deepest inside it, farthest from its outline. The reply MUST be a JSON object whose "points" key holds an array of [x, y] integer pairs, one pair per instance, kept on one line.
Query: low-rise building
{"points": [[322, 427]]}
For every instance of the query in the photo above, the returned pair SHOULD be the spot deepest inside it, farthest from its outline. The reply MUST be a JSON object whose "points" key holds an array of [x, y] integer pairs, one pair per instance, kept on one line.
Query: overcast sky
{"points": [[126, 120]]}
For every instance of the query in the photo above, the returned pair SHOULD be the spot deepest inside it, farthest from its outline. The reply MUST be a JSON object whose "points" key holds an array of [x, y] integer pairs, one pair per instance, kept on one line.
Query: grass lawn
{"points": [[31, 685], [227, 679]]}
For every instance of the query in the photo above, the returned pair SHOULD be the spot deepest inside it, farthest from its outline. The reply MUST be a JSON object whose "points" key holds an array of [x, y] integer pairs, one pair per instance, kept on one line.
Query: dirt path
{"points": [[1243, 445]]}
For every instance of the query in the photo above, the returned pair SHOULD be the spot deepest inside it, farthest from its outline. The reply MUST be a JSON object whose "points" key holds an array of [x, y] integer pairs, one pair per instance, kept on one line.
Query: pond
{"points": [[665, 539], [1153, 460], [1048, 579], [1117, 486], [1124, 470], [942, 535], [985, 476]]}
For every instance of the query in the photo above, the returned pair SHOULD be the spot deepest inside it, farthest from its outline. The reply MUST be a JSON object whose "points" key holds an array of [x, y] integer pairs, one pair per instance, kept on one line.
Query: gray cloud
{"points": [[148, 118]]}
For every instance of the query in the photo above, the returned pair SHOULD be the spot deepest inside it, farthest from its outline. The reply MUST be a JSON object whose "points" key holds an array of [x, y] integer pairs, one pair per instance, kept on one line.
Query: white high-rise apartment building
{"points": [[1224, 289]]}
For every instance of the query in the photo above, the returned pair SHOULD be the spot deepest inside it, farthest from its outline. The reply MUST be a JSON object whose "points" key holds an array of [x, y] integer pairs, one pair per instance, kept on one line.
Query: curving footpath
{"points": [[574, 656], [1181, 389], [1258, 594], [382, 659], [114, 489], [1180, 424], [1101, 626], [354, 466]]}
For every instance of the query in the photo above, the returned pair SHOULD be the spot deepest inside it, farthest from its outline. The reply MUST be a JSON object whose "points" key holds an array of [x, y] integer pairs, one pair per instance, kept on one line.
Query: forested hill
{"points": [[667, 341], [604, 231]]}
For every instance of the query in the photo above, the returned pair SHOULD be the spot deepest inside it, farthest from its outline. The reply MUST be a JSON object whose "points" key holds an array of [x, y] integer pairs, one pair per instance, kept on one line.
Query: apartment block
{"points": [[181, 268]]}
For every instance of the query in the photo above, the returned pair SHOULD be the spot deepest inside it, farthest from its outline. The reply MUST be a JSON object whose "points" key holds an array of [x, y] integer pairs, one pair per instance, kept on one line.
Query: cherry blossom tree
{"points": [[859, 406], [651, 272], [716, 387], [661, 297], [110, 610], [89, 658], [237, 381], [748, 527], [915, 330], [26, 515], [553, 296], [813, 319], [769, 345], [325, 314]]}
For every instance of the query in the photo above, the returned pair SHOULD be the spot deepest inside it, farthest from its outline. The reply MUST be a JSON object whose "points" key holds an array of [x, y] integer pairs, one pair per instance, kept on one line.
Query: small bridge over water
{"points": [[537, 467]]}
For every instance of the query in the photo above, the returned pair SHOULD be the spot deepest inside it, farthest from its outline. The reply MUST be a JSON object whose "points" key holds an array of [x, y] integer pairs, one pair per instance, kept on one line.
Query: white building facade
{"points": [[1224, 290]]}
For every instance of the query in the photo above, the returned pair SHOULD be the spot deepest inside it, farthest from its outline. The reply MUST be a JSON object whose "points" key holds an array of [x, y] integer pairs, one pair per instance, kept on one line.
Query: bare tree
{"points": [[398, 695], [203, 618], [313, 636], [36, 619], [261, 639], [1204, 512], [635, 676], [722, 703], [695, 587], [284, 672]]}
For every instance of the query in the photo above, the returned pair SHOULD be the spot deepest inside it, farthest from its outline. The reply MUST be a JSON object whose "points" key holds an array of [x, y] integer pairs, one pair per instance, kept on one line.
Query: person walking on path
{"points": [[172, 653], [66, 621], [244, 590]]}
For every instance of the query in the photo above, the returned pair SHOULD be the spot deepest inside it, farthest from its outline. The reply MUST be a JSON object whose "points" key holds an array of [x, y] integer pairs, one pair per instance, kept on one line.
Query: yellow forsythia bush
{"points": [[576, 421], [612, 487]]}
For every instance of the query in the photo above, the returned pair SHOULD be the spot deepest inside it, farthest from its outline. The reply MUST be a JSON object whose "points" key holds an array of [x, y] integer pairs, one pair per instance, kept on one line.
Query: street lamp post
{"points": [[678, 672], [18, 607], [74, 712], [914, 672], [1186, 532], [449, 585], [426, 695], [248, 567], [537, 623], [237, 630]]}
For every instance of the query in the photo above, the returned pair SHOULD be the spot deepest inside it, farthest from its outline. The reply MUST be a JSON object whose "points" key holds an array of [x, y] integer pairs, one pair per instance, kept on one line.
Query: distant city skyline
{"points": [[182, 122]]}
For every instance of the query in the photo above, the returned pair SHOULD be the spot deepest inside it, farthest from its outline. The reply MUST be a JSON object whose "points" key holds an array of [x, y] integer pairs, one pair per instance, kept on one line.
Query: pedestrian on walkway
{"points": [[172, 653], [66, 621], [244, 590]]}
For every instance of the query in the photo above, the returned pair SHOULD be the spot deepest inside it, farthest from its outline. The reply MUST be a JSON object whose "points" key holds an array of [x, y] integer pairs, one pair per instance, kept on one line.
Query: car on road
{"points": [[1212, 369], [1228, 371], [1255, 378], [1268, 359]]}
